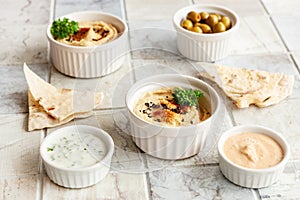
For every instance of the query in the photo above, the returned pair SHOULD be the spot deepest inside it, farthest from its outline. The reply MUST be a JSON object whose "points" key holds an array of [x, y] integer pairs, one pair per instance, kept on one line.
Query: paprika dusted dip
{"points": [[159, 107], [253, 150]]}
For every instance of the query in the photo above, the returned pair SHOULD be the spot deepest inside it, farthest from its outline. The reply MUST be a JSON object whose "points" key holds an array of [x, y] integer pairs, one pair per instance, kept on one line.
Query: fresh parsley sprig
{"points": [[187, 97], [63, 28]]}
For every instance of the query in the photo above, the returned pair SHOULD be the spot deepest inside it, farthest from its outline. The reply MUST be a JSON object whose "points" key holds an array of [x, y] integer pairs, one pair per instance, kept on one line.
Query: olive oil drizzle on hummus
{"points": [[159, 107]]}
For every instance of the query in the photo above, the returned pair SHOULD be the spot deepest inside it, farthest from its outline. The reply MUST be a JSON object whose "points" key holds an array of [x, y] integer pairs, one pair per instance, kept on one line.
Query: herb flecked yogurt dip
{"points": [[159, 107], [76, 150], [253, 150]]}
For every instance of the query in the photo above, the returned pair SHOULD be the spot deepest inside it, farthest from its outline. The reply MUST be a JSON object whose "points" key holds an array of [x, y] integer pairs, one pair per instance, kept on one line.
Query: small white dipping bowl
{"points": [[90, 61], [77, 177], [169, 142], [205, 47], [247, 177]]}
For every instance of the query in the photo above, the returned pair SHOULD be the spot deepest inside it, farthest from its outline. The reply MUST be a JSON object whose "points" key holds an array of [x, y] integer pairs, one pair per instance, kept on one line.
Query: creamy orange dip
{"points": [[158, 107], [253, 150], [91, 34]]}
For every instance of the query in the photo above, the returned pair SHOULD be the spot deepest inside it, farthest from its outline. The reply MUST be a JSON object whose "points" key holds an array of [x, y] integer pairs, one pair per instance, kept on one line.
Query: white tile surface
{"points": [[21, 26], [19, 150], [14, 88], [195, 183], [256, 35], [278, 7], [289, 30], [287, 186], [258, 45], [114, 186], [19, 187], [114, 86], [296, 56], [30, 46], [244, 8], [152, 39], [64, 7], [20, 12], [156, 10]]}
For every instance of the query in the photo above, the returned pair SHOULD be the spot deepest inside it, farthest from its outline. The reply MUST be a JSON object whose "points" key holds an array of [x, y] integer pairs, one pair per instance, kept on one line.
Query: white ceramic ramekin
{"points": [[90, 61], [204, 47], [168, 142], [246, 177], [77, 177]]}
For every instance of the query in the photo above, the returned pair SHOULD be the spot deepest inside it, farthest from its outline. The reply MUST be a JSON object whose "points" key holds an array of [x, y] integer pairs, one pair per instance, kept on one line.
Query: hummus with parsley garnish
{"points": [[91, 34], [159, 107]]}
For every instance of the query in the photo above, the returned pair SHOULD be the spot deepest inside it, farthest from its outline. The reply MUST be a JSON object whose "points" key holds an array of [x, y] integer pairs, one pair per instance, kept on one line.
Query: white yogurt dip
{"points": [[76, 150]]}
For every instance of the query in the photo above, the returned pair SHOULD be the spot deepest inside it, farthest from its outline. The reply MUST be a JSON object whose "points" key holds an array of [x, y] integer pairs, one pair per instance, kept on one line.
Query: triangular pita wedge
{"points": [[39, 119], [60, 103], [246, 87]]}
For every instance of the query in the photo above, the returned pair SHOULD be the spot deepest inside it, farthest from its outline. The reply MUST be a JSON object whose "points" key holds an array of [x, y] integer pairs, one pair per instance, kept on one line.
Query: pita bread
{"points": [[39, 119], [246, 87], [60, 103]]}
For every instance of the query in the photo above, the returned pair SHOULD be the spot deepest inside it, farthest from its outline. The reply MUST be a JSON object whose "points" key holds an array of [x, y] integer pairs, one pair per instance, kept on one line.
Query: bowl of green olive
{"points": [[205, 31]]}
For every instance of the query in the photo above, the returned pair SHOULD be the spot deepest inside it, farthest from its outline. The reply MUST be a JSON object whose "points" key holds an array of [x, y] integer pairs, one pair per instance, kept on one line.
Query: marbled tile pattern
{"points": [[195, 183], [14, 88], [267, 40], [21, 31], [114, 186], [19, 187], [64, 7], [19, 151]]}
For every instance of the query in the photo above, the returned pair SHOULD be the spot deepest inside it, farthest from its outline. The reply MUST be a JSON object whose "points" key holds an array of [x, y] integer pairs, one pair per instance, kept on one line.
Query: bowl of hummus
{"points": [[171, 115], [95, 49], [252, 156]]}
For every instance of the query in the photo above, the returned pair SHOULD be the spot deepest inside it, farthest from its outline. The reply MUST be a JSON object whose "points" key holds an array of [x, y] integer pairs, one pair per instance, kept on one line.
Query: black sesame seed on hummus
{"points": [[159, 107]]}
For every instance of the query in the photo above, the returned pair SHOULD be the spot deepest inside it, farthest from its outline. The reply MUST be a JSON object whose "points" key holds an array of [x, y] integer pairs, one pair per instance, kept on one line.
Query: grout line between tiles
{"points": [[129, 42], [40, 184], [124, 13], [148, 189], [256, 194], [295, 63], [274, 26]]}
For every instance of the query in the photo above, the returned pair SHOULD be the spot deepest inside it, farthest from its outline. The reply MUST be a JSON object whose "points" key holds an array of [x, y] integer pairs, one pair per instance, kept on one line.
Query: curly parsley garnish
{"points": [[187, 97], [63, 28]]}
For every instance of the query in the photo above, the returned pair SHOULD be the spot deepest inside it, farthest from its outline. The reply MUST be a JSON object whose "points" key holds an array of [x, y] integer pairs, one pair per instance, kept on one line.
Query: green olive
{"points": [[218, 15], [204, 15], [226, 21], [187, 24], [205, 28], [197, 29], [197, 24], [212, 20], [193, 16], [219, 27]]}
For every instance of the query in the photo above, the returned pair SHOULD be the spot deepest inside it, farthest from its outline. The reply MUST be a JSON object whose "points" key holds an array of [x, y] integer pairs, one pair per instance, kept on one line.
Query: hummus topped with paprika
{"points": [[91, 34], [253, 150], [159, 107]]}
